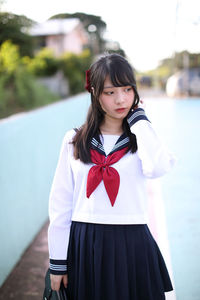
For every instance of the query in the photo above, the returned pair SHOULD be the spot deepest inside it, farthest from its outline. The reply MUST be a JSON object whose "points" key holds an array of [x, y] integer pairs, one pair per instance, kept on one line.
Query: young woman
{"points": [[99, 242]]}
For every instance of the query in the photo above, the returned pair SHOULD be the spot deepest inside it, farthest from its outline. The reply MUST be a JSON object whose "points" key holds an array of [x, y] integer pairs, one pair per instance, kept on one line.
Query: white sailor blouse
{"points": [[84, 192]]}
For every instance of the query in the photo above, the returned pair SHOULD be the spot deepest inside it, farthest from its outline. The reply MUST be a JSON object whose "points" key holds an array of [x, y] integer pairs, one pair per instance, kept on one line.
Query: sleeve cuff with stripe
{"points": [[135, 116], [58, 267]]}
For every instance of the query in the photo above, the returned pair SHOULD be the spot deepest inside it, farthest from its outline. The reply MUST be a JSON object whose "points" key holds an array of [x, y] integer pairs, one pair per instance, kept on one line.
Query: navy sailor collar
{"points": [[122, 142]]}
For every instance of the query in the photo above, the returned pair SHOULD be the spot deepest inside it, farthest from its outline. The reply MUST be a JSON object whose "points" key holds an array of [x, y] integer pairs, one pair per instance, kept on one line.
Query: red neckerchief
{"points": [[103, 171]]}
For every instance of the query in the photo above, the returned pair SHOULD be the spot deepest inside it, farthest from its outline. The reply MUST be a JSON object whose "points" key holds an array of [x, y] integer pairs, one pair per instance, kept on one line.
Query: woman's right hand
{"points": [[56, 281]]}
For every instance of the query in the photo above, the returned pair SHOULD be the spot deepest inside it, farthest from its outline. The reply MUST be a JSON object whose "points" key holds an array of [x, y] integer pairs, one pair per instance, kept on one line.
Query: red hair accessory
{"points": [[88, 86]]}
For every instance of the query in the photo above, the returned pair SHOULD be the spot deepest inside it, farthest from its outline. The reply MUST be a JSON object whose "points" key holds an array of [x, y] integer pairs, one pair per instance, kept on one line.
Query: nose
{"points": [[119, 97]]}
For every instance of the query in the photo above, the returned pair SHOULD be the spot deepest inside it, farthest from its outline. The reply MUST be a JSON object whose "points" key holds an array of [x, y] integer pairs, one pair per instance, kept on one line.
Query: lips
{"points": [[120, 110]]}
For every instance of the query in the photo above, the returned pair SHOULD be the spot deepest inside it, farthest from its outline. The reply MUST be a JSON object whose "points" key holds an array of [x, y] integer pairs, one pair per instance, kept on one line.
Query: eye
{"points": [[128, 89], [109, 93]]}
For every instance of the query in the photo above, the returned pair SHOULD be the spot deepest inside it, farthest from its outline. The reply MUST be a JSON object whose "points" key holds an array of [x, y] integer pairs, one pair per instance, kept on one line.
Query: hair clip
{"points": [[88, 85]]}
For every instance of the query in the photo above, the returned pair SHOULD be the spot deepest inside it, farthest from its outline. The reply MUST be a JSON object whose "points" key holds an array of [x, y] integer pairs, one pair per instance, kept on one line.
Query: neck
{"points": [[109, 126]]}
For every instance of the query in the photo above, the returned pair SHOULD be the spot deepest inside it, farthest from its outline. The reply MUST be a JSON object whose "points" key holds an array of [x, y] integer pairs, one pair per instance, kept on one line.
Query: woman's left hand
{"points": [[141, 104]]}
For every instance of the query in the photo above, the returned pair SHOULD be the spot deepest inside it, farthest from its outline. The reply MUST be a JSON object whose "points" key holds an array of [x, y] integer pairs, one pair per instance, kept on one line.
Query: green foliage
{"points": [[9, 57], [74, 67], [181, 60], [19, 90], [186, 59], [14, 28], [118, 51], [30, 94], [43, 64], [170, 65]]}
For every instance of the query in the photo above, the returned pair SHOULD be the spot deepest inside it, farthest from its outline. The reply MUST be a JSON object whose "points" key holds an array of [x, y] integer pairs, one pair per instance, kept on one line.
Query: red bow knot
{"points": [[103, 171]]}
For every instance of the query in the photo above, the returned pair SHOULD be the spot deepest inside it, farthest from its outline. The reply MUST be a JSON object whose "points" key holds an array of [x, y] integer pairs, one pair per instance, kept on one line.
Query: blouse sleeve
{"points": [[155, 158], [60, 210]]}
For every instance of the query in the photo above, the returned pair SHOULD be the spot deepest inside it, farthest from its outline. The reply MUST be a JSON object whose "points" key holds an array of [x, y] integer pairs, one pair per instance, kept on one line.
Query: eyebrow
{"points": [[108, 87], [112, 86]]}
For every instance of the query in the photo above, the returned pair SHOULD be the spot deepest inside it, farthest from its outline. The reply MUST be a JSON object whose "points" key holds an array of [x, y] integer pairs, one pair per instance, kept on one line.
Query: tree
{"points": [[94, 26], [183, 59], [74, 67], [19, 90], [14, 28], [44, 63]]}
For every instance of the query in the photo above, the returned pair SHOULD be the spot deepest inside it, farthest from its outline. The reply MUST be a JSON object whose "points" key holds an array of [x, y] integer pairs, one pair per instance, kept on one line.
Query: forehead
{"points": [[108, 82]]}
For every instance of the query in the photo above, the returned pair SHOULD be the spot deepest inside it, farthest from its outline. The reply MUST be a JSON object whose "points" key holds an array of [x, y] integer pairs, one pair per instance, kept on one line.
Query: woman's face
{"points": [[116, 101]]}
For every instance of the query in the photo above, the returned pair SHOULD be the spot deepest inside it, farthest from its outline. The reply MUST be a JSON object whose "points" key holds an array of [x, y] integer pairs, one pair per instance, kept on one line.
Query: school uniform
{"points": [[98, 231]]}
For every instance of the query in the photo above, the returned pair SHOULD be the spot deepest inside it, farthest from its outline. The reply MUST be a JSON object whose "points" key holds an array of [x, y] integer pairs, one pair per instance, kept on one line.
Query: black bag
{"points": [[49, 294]]}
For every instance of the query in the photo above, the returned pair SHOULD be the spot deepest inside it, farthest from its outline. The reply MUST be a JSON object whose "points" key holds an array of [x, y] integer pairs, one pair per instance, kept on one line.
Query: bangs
{"points": [[121, 75]]}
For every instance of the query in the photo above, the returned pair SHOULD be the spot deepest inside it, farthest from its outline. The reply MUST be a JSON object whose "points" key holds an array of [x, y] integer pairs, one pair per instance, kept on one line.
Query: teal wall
{"points": [[29, 149]]}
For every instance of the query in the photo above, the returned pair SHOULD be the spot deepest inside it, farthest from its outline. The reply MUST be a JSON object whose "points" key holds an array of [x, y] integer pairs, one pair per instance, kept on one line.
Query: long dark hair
{"points": [[121, 74]]}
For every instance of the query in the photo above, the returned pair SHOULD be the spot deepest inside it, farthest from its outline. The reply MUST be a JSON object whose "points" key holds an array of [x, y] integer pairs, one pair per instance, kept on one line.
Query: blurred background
{"points": [[45, 49]]}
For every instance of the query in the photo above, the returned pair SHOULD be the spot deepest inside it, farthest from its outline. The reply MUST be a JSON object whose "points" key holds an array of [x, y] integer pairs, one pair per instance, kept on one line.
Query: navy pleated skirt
{"points": [[115, 262]]}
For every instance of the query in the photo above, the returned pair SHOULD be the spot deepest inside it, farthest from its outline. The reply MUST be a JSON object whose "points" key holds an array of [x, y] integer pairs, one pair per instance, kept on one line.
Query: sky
{"points": [[147, 30]]}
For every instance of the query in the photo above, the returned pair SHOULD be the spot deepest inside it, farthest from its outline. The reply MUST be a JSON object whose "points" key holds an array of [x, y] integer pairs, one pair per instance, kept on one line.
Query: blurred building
{"points": [[60, 35], [145, 81], [184, 83]]}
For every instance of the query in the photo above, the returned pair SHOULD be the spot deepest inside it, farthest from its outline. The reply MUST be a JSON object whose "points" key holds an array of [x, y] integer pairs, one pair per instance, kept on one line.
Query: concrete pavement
{"points": [[26, 281]]}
